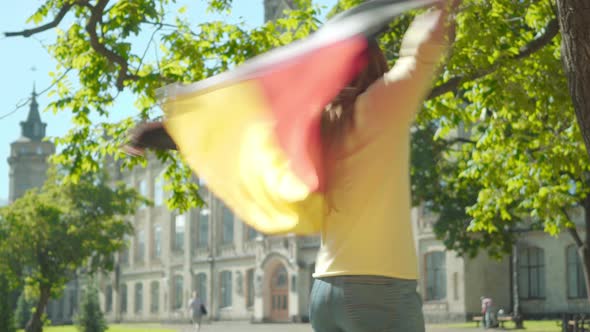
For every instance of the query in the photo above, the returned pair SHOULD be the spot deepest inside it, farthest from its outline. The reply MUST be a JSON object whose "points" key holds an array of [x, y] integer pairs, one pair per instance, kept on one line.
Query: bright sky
{"points": [[24, 61]]}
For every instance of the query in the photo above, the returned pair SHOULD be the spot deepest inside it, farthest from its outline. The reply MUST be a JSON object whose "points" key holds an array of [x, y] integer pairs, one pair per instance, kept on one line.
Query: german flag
{"points": [[253, 133]]}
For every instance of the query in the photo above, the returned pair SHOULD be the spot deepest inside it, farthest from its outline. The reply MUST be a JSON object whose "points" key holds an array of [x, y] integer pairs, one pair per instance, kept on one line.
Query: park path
{"points": [[248, 327]]}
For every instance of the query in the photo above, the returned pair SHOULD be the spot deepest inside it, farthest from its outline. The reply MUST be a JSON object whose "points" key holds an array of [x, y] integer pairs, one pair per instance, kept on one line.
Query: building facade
{"points": [[28, 154], [550, 279], [239, 273]]}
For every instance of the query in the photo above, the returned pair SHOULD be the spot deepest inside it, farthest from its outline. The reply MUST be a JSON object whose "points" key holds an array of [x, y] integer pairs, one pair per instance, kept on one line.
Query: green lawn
{"points": [[530, 326], [112, 328]]}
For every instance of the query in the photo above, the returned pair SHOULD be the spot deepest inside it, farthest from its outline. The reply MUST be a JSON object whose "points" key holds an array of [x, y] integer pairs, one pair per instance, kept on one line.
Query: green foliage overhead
{"points": [[6, 310], [518, 164]]}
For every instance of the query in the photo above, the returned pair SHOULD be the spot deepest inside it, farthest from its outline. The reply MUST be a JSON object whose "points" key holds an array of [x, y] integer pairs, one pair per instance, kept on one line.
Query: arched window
{"points": [[250, 288], [157, 247], [436, 276], [154, 297], [178, 288], [108, 298], [531, 273], [576, 286], [140, 246], [179, 227], [159, 189], [228, 226], [226, 289], [201, 286], [124, 298], [138, 297]]}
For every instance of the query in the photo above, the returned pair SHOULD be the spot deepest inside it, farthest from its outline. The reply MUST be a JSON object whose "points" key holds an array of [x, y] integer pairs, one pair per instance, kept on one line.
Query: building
{"points": [[549, 276], [237, 272], [28, 154], [274, 9]]}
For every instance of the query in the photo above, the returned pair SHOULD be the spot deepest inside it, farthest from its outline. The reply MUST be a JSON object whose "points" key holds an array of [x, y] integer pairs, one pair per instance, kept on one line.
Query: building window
{"points": [[201, 286], [576, 285], [226, 289], [203, 228], [203, 191], [124, 254], [155, 297], [157, 241], [250, 288], [159, 190], [228, 226], [178, 286], [455, 286], [108, 298], [531, 273], [138, 297], [140, 246], [124, 298], [60, 308], [251, 233], [143, 189], [436, 277], [179, 222]]}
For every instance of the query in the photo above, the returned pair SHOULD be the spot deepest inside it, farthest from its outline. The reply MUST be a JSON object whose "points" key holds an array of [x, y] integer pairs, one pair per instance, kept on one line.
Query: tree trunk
{"points": [[35, 324], [574, 23], [515, 291], [583, 249]]}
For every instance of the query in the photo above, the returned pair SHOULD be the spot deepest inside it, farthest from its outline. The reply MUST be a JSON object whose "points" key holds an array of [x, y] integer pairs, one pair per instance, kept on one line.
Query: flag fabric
{"points": [[253, 133]]}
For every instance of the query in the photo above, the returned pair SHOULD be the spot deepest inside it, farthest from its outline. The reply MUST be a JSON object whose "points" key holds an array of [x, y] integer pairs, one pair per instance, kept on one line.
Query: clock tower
{"points": [[274, 9], [28, 154]]}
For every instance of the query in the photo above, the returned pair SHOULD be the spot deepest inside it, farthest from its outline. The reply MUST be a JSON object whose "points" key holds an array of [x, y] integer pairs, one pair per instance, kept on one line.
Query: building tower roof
{"points": [[33, 128]]}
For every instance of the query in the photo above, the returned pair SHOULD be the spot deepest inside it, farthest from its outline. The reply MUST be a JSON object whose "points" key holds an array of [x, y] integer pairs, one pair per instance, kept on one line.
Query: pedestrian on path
{"points": [[196, 309]]}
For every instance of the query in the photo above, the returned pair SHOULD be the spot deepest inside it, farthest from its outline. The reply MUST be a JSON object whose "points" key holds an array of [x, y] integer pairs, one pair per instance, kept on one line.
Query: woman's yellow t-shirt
{"points": [[367, 229]]}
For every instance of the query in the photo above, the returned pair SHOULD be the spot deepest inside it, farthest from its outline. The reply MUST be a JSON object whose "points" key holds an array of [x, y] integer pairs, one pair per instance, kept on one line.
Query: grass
{"points": [[530, 326], [112, 328]]}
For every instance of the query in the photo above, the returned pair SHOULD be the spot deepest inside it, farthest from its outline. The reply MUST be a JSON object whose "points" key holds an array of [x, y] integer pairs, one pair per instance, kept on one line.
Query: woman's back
{"points": [[367, 230]]}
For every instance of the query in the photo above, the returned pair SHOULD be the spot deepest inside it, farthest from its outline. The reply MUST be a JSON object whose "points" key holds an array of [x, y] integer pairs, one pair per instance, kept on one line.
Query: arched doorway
{"points": [[279, 294]]}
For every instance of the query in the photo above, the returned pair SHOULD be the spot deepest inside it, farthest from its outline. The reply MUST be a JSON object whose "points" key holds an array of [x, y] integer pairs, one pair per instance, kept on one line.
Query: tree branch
{"points": [[551, 30], [573, 231], [459, 140], [29, 32], [100, 48]]}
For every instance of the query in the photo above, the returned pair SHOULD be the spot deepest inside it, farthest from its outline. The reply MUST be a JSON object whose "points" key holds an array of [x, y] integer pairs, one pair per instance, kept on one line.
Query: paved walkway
{"points": [[248, 327]]}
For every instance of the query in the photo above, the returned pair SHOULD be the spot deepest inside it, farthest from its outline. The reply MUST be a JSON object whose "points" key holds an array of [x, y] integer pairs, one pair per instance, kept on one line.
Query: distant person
{"points": [[486, 311], [197, 310]]}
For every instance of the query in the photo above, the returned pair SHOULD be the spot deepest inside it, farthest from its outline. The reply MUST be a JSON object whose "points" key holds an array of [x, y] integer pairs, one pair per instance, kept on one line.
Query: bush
{"points": [[90, 318], [6, 309], [23, 311]]}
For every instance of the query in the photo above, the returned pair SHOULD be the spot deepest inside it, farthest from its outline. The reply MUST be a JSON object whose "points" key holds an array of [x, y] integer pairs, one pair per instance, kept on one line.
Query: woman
{"points": [[366, 270]]}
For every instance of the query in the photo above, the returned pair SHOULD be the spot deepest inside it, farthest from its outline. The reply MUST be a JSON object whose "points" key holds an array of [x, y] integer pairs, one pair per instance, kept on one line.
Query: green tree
{"points": [[90, 318], [60, 228], [6, 313], [22, 314], [520, 163]]}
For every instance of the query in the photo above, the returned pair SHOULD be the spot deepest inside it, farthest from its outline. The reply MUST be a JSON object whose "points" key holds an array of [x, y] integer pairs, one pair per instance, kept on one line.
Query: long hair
{"points": [[338, 117]]}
